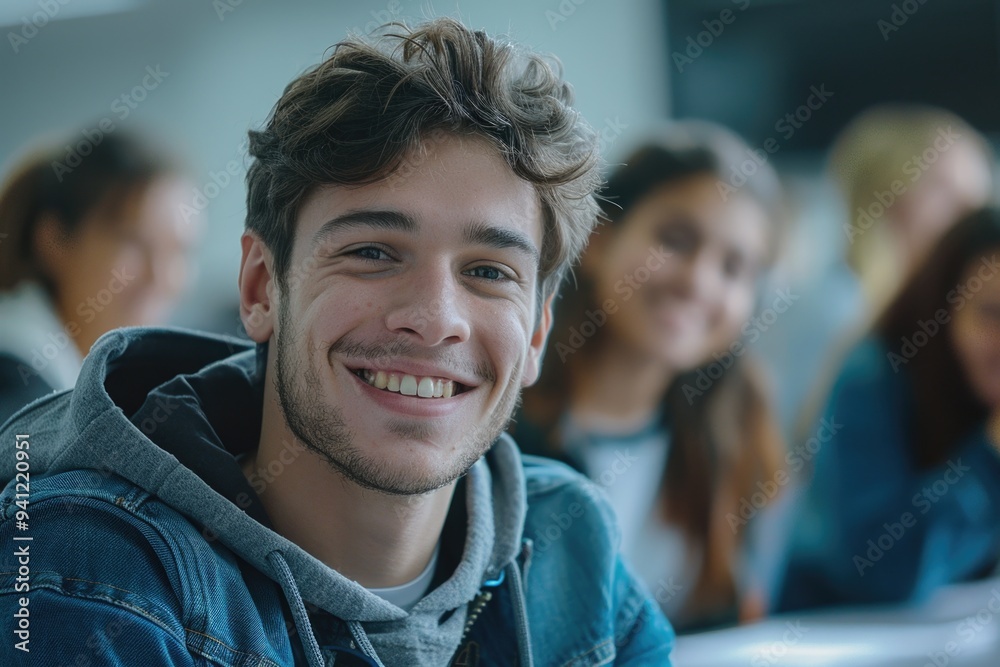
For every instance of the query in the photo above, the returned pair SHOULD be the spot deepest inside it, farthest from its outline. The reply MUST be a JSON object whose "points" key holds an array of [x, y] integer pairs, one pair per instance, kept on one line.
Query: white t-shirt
{"points": [[629, 468], [405, 596]]}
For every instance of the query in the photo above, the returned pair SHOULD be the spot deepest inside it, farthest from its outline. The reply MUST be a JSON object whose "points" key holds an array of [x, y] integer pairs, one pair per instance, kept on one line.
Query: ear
{"points": [[536, 348], [257, 299]]}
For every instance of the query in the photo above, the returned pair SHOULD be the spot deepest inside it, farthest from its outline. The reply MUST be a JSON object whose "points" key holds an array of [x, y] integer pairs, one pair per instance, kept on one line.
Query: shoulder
{"points": [[872, 378], [102, 544], [87, 545], [567, 508], [98, 536]]}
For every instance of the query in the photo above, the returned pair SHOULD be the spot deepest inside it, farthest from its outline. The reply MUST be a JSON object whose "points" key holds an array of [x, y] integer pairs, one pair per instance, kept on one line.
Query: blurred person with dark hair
{"points": [[343, 490], [905, 495], [85, 249], [652, 394]]}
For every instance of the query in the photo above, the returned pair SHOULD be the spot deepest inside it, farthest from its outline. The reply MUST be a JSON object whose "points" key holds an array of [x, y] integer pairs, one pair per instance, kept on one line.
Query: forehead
{"points": [[451, 183]]}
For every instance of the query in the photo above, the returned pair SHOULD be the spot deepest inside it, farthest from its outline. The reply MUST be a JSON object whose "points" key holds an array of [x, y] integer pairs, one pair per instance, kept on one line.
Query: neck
{"points": [[617, 388], [376, 539]]}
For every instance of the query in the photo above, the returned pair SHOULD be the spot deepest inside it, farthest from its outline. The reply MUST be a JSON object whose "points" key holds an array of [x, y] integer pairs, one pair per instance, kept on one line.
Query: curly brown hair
{"points": [[357, 117]]}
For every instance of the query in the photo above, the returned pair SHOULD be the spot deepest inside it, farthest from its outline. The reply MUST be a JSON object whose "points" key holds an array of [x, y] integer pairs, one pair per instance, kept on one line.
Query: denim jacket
{"points": [[120, 552]]}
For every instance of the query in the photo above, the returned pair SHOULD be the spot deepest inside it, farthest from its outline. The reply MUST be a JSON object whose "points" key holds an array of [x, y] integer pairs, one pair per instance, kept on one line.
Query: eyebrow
{"points": [[500, 238], [478, 232], [389, 220]]}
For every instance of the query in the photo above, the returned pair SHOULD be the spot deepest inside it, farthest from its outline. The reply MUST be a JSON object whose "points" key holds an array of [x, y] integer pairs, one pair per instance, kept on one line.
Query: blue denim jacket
{"points": [[134, 560]]}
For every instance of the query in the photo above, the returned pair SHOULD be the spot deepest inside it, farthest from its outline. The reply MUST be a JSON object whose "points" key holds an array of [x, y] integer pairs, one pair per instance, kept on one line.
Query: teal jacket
{"points": [[873, 527]]}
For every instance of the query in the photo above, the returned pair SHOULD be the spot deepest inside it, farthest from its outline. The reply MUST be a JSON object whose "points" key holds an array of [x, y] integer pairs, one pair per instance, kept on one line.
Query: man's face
{"points": [[407, 329]]}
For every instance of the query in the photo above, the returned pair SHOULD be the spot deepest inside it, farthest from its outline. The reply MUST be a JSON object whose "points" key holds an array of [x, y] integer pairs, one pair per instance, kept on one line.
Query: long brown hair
{"points": [[946, 408], [725, 440]]}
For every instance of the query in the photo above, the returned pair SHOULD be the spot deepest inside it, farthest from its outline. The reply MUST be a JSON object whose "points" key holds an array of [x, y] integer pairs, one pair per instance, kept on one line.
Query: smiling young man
{"points": [[343, 491]]}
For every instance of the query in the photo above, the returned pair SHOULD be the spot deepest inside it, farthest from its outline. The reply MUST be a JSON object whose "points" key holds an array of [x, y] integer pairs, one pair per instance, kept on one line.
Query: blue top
{"points": [[132, 537], [873, 527]]}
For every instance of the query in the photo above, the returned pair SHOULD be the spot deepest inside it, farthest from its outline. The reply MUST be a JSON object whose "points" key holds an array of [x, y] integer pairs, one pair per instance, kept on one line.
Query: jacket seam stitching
{"points": [[261, 660], [577, 658]]}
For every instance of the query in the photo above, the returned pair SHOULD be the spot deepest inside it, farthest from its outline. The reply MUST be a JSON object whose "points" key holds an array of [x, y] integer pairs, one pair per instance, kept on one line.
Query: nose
{"points": [[698, 277], [427, 308]]}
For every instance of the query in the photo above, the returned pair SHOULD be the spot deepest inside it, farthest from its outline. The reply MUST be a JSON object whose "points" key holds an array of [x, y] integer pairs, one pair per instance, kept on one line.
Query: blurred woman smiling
{"points": [[86, 250], [667, 285]]}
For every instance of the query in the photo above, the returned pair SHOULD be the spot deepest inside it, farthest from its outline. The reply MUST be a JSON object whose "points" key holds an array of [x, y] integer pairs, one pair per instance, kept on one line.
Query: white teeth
{"points": [[425, 388], [410, 385]]}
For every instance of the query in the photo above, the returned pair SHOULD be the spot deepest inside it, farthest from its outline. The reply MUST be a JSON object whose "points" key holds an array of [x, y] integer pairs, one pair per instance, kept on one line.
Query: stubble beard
{"points": [[322, 429]]}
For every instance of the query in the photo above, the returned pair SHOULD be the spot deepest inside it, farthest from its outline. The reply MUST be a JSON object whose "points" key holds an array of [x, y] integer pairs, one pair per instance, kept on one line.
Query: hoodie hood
{"points": [[169, 410]]}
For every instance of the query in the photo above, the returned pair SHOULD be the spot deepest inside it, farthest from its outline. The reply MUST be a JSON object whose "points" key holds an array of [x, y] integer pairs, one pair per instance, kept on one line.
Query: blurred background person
{"points": [[646, 387], [905, 174], [906, 494], [86, 249]]}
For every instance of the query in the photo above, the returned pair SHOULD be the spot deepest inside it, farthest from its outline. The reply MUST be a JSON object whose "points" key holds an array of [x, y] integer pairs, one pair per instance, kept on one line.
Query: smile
{"points": [[410, 385]]}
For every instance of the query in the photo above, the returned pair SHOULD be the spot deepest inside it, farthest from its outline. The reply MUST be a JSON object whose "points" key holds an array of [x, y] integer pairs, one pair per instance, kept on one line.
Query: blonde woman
{"points": [[907, 174]]}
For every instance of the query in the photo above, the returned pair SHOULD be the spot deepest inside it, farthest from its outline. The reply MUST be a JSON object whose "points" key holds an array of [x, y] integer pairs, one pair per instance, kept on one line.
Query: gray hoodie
{"points": [[169, 410]]}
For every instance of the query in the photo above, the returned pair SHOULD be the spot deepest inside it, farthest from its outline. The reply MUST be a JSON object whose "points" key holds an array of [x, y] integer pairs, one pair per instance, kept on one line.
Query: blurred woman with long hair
{"points": [[648, 387], [86, 248], [906, 493]]}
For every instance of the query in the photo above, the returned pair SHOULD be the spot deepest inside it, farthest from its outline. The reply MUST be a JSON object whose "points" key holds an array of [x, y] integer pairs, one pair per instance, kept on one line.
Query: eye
{"points": [[490, 273], [733, 266], [677, 237], [371, 254]]}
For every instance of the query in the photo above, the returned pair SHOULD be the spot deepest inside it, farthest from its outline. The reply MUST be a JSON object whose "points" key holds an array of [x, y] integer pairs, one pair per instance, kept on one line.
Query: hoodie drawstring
{"points": [[520, 615], [361, 639], [299, 615]]}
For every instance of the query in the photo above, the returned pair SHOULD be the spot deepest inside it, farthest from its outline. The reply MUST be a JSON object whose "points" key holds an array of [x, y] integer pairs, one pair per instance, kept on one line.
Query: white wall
{"points": [[224, 72]]}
